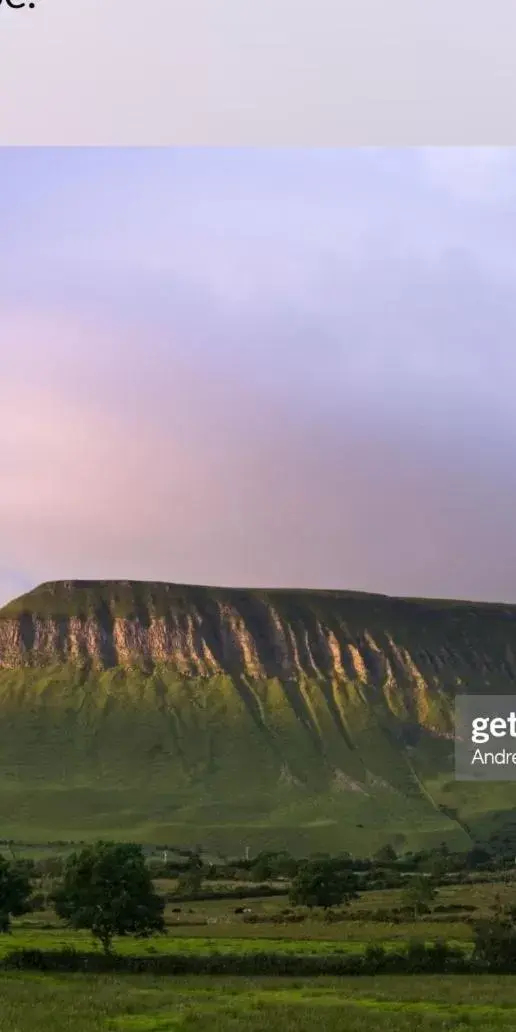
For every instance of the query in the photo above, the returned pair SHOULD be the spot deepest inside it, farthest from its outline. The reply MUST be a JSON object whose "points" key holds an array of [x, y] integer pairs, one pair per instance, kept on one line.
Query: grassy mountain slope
{"points": [[312, 720]]}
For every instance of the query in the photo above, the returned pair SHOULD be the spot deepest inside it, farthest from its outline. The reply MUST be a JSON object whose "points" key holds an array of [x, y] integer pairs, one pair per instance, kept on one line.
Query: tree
{"points": [[15, 892], [322, 883], [107, 888], [385, 855], [270, 865], [437, 865], [190, 881], [419, 893], [50, 867], [495, 939], [477, 858]]}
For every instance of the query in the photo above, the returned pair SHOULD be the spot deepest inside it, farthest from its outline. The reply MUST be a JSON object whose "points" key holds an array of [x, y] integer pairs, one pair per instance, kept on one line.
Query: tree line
{"points": [[108, 888]]}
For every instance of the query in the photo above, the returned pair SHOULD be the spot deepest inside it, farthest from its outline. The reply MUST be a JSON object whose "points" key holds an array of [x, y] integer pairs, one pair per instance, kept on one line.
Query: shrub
{"points": [[416, 959], [15, 892], [323, 883], [495, 942]]}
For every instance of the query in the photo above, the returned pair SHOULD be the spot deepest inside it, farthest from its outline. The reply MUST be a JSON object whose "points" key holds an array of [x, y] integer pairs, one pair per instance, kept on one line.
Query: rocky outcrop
{"points": [[412, 652]]}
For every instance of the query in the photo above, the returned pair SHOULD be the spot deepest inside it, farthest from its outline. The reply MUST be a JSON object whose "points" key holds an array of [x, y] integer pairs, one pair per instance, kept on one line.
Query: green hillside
{"points": [[234, 718]]}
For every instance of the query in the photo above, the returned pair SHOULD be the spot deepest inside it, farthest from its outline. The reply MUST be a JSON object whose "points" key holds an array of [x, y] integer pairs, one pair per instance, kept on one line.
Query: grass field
{"points": [[207, 926], [53, 939], [144, 1004]]}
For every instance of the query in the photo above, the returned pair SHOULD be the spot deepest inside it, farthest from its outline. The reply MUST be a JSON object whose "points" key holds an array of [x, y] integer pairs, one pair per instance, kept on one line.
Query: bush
{"points": [[15, 892], [284, 918], [49, 867], [416, 959], [495, 943], [374, 959], [453, 908], [207, 893], [323, 883]]}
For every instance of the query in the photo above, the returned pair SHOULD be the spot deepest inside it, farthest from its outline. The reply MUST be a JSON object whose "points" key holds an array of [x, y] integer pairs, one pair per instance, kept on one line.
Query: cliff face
{"points": [[372, 639], [339, 697], [411, 652]]}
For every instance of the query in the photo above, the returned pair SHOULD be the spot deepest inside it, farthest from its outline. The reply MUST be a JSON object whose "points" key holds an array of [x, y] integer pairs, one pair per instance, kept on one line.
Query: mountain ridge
{"points": [[170, 617], [315, 717]]}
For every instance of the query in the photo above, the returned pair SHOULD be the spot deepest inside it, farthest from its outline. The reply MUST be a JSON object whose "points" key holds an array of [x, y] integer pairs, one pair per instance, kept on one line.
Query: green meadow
{"points": [[148, 1003], [143, 1004], [268, 926]]}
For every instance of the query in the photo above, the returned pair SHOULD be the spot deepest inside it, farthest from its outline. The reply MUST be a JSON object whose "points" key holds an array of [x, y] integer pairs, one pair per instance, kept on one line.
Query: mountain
{"points": [[232, 718]]}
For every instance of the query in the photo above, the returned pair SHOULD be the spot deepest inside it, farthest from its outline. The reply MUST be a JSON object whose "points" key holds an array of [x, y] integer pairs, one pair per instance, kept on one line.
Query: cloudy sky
{"points": [[259, 367]]}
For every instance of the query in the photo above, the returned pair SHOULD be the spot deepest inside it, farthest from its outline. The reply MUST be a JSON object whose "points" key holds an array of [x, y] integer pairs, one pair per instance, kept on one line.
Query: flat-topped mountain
{"points": [[312, 719]]}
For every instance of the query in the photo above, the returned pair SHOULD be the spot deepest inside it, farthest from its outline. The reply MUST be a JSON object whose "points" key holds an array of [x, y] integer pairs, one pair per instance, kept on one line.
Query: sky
{"points": [[278, 368], [287, 72]]}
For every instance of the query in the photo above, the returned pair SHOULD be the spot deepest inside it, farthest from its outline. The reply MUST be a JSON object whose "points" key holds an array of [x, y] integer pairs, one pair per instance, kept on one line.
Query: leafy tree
{"points": [[477, 858], [436, 862], [419, 893], [107, 888], [386, 855], [322, 883], [437, 865], [26, 866], [15, 892], [347, 862], [262, 867], [269, 865], [190, 881], [285, 866], [50, 867], [495, 939]]}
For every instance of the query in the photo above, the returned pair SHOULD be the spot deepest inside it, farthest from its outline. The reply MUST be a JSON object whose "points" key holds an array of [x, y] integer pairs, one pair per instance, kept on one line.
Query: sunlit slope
{"points": [[232, 718]]}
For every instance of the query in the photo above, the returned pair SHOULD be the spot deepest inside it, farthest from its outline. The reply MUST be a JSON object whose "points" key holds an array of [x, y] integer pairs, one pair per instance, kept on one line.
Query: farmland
{"points": [[143, 1004], [263, 925]]}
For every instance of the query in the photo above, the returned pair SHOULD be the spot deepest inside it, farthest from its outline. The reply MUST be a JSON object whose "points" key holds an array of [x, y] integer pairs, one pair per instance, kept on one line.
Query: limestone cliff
{"points": [[408, 649]]}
